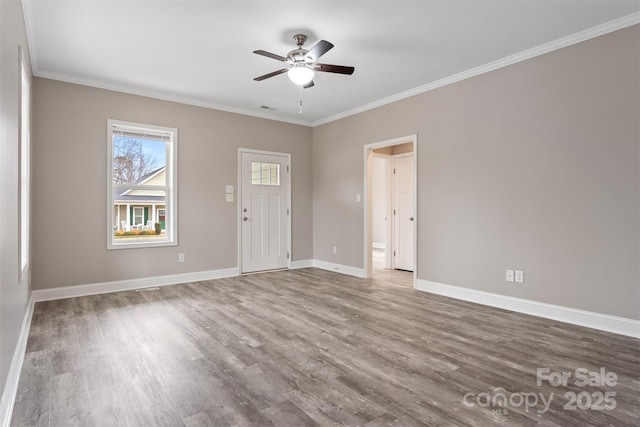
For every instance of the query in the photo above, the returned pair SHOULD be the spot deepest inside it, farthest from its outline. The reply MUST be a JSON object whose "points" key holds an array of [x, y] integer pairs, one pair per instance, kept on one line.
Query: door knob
{"points": [[244, 218], [410, 218], [244, 210]]}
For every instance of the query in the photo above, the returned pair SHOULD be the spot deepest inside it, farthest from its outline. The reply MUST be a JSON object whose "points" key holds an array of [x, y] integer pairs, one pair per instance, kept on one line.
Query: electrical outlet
{"points": [[335, 250], [180, 257], [509, 276], [358, 198], [519, 276]]}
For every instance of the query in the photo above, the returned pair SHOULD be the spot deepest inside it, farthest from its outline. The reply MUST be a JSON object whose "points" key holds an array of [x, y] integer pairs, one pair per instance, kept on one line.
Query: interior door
{"points": [[403, 212], [264, 210]]}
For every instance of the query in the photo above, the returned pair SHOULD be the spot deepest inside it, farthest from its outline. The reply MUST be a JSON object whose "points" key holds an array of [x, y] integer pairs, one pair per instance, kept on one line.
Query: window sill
{"points": [[140, 245]]}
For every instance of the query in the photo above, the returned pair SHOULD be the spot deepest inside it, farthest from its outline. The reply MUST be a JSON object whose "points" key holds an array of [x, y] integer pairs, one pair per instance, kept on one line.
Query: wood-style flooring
{"points": [[311, 348]]}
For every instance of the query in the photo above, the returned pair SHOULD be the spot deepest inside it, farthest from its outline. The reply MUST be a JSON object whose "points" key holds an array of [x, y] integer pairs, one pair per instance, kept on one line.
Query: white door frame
{"points": [[368, 231], [287, 176], [388, 259]]}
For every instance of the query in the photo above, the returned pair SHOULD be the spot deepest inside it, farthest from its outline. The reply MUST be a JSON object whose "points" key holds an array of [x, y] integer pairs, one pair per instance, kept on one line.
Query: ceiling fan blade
{"points": [[270, 55], [308, 85], [275, 73], [328, 68], [318, 50]]}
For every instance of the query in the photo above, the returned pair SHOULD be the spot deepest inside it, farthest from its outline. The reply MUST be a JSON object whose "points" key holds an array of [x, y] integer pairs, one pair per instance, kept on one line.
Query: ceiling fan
{"points": [[301, 64]]}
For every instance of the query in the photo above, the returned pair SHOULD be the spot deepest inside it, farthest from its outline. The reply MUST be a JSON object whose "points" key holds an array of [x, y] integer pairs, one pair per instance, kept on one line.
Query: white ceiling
{"points": [[200, 52]]}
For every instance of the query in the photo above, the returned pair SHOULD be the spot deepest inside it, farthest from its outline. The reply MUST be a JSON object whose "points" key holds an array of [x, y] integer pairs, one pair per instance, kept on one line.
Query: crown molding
{"points": [[572, 39], [27, 11], [27, 14], [149, 93]]}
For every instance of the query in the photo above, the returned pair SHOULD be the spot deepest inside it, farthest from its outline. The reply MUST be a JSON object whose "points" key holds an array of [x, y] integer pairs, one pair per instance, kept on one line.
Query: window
{"points": [[24, 153], [138, 216], [142, 185], [265, 173]]}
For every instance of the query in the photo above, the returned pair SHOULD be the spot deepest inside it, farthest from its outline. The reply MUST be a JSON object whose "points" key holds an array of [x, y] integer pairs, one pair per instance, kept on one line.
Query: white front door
{"points": [[264, 211], [403, 212]]}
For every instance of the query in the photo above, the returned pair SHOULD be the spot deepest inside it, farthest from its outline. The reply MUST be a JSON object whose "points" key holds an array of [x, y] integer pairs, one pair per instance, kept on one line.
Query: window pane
{"points": [[25, 90], [138, 217], [139, 161], [265, 173]]}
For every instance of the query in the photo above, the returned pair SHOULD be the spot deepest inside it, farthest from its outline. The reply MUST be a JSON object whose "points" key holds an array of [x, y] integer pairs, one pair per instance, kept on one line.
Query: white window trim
{"points": [[171, 188], [24, 163]]}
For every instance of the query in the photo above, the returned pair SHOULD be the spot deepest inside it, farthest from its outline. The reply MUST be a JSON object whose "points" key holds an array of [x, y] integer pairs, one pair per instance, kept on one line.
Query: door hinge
{"points": [[394, 211], [394, 171], [394, 253], [287, 211], [287, 168], [287, 255]]}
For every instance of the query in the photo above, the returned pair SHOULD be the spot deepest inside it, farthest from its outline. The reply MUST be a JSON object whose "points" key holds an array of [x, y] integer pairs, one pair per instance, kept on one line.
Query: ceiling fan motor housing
{"points": [[299, 54]]}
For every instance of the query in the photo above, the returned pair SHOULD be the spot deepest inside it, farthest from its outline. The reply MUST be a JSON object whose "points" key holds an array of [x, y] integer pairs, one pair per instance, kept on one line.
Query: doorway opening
{"points": [[390, 226]]}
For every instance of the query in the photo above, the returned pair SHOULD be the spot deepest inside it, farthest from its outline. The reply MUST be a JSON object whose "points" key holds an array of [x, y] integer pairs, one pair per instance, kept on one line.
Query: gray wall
{"points": [[533, 167], [69, 209], [14, 296]]}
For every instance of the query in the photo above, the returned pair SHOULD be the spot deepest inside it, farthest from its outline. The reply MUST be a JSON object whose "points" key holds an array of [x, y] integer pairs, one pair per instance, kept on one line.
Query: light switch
{"points": [[357, 198], [229, 197], [229, 190]]}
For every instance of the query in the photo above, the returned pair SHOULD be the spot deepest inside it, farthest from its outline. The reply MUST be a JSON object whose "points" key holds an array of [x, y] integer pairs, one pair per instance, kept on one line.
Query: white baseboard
{"points": [[338, 268], [127, 285], [147, 282], [375, 245], [303, 263], [13, 378], [604, 322]]}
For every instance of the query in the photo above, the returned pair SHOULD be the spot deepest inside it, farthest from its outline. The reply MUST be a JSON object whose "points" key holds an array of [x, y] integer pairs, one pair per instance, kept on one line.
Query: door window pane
{"points": [[265, 173]]}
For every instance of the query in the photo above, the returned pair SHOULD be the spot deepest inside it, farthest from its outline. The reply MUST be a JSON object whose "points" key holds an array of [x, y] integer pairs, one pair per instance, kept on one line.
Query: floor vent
{"points": [[148, 289]]}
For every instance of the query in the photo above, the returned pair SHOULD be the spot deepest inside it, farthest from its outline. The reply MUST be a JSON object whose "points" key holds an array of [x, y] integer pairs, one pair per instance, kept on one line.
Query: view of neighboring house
{"points": [[134, 208]]}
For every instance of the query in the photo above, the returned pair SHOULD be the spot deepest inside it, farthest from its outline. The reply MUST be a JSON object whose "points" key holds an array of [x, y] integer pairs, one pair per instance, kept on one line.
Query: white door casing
{"points": [[403, 212], [381, 200], [264, 210], [367, 205]]}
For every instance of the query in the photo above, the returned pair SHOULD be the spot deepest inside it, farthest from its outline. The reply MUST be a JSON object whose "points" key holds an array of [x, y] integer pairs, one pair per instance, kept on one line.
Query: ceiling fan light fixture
{"points": [[300, 64], [300, 74]]}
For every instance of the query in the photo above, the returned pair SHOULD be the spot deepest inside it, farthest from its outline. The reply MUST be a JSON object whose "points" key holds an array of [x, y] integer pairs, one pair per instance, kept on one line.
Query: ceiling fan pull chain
{"points": [[301, 106]]}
